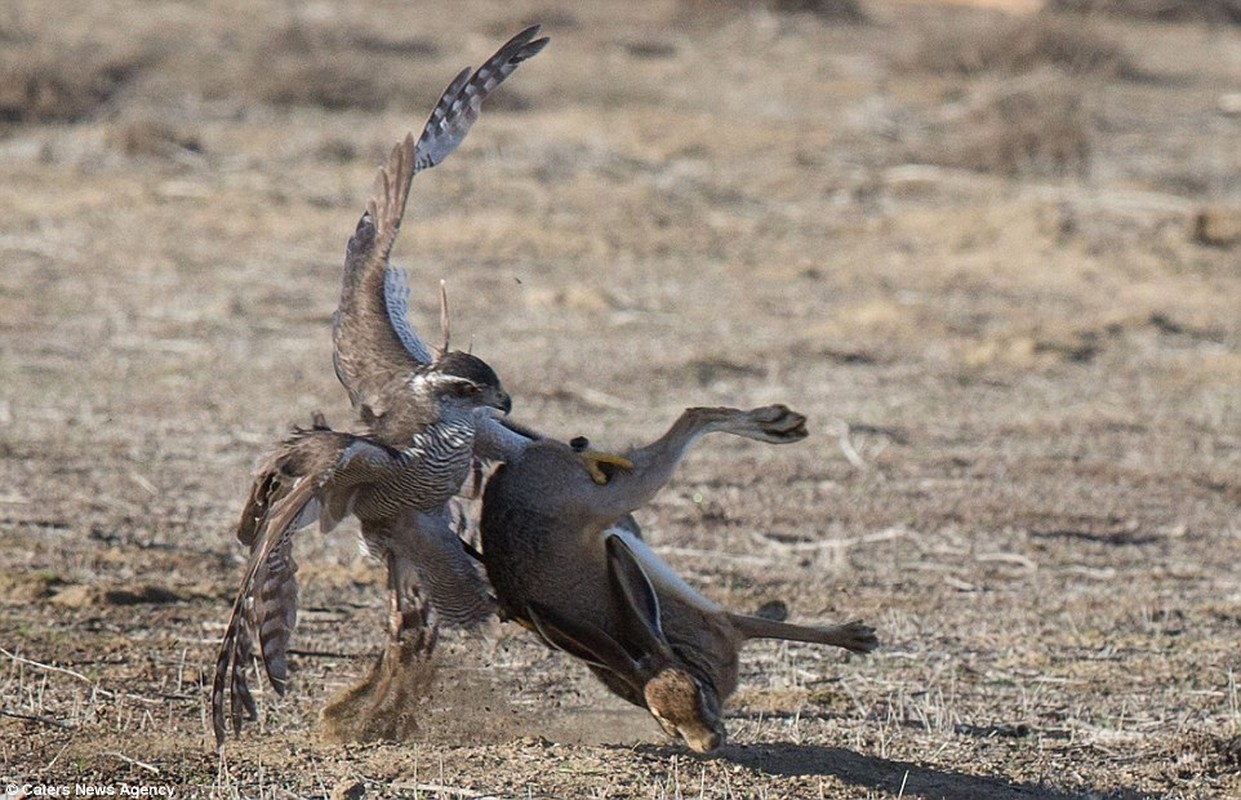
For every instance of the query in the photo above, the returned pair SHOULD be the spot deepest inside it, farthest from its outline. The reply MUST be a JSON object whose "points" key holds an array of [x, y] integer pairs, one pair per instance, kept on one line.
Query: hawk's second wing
{"points": [[374, 343], [461, 102]]}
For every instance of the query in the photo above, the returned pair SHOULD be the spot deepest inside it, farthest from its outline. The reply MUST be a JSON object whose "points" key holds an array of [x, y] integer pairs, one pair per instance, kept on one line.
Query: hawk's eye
{"points": [[468, 389]]}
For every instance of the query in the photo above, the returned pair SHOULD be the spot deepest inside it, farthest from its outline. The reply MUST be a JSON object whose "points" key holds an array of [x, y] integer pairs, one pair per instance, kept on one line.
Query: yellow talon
{"points": [[595, 461]]}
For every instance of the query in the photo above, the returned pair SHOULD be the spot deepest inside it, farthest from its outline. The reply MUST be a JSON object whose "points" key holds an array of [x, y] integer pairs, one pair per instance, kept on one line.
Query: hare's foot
{"points": [[777, 424], [385, 705], [857, 636]]}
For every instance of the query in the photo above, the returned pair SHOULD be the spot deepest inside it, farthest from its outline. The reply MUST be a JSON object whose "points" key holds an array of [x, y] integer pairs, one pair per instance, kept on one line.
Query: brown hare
{"points": [[567, 561]]}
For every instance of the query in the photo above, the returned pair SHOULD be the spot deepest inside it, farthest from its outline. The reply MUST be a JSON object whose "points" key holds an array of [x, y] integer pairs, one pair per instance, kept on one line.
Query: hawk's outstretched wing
{"points": [[322, 475], [312, 477], [375, 347]]}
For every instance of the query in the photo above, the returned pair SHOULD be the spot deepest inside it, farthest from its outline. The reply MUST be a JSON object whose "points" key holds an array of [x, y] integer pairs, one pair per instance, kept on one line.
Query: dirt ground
{"points": [[994, 258]]}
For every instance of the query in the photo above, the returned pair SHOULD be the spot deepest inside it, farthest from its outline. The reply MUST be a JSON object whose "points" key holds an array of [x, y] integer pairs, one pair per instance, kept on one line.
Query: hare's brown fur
{"points": [[567, 561]]}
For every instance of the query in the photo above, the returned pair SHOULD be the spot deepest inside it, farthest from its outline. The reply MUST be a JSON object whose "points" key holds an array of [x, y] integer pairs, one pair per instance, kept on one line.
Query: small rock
{"points": [[1218, 227], [349, 790], [135, 595], [77, 596]]}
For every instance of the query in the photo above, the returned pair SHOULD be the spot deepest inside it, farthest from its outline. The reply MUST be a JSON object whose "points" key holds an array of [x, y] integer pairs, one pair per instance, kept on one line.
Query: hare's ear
{"points": [[639, 595], [580, 639]]}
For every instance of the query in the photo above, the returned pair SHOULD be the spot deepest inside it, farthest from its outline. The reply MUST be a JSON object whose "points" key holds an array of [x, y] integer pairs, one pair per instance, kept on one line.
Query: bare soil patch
{"points": [[1005, 296]]}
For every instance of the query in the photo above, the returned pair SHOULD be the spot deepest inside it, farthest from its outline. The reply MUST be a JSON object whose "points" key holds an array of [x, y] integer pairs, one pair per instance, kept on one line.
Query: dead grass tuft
{"points": [[1042, 128], [335, 68], [848, 11], [1038, 42], [1213, 11], [41, 83], [151, 137]]}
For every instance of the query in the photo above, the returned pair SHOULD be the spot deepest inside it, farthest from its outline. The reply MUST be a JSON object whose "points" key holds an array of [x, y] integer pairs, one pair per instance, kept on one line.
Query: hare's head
{"points": [[686, 709]]}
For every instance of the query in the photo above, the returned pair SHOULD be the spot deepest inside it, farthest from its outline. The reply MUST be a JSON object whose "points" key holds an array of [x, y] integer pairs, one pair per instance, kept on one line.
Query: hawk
{"points": [[426, 411]]}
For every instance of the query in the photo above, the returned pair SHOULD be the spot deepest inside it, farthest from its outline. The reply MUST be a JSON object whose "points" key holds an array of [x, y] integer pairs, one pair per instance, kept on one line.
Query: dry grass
{"points": [[334, 66], [1037, 127], [41, 82], [1216, 11], [1025, 106], [1042, 41], [1026, 434]]}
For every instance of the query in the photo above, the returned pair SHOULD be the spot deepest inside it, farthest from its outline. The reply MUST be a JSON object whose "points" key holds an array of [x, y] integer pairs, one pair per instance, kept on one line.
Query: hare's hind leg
{"points": [[650, 467], [856, 636]]}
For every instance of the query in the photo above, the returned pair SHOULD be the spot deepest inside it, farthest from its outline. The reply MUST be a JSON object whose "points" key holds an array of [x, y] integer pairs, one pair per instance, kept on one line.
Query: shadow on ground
{"points": [[902, 778]]}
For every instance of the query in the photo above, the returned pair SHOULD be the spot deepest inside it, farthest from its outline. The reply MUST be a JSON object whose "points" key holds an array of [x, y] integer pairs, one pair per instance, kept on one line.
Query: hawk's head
{"points": [[463, 379]]}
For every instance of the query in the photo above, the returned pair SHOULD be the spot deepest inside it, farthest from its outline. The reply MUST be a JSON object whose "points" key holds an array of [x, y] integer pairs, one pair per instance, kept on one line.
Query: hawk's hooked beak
{"points": [[502, 401]]}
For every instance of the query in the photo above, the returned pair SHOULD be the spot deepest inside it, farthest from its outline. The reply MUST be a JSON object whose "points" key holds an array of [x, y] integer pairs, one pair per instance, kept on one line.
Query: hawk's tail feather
{"points": [[230, 677], [275, 613]]}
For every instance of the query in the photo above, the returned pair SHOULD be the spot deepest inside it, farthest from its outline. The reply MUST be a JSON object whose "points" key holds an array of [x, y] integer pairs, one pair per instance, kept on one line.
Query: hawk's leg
{"points": [[600, 465], [411, 619], [384, 706]]}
